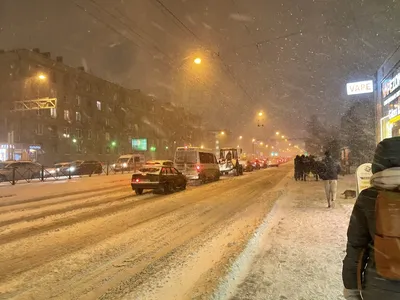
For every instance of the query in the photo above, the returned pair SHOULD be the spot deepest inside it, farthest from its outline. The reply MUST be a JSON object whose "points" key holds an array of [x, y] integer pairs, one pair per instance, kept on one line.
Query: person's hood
{"points": [[388, 179], [387, 155]]}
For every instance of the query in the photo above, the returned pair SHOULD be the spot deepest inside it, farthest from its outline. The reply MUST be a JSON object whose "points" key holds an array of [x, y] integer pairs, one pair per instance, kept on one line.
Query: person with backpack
{"points": [[371, 268], [329, 170]]}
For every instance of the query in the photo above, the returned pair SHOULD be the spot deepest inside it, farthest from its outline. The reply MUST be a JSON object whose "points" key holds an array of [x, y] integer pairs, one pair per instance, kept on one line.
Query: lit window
{"points": [[78, 116], [107, 122], [66, 130], [98, 104], [66, 114], [79, 133], [89, 134], [53, 112], [39, 130], [107, 136], [78, 100]]}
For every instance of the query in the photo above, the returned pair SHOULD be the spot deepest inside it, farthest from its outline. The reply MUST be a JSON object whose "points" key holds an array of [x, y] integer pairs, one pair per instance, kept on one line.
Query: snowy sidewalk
{"points": [[301, 253]]}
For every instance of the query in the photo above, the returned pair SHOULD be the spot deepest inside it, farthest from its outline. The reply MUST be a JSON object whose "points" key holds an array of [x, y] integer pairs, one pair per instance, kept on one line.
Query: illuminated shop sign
{"points": [[35, 147], [390, 85], [361, 87]]}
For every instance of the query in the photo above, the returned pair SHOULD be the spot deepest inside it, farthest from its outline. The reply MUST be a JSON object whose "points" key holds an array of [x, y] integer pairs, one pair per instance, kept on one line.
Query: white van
{"points": [[129, 162], [197, 163]]}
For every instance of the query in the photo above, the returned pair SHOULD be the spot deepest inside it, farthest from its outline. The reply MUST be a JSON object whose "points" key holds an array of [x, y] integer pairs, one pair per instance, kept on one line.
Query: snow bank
{"points": [[297, 252]]}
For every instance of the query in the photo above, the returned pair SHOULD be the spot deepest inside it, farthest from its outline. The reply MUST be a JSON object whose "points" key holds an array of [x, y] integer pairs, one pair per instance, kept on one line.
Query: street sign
{"points": [[363, 177], [361, 87]]}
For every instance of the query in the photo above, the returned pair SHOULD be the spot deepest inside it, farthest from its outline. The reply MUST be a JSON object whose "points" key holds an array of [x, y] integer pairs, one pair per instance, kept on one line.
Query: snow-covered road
{"points": [[107, 243]]}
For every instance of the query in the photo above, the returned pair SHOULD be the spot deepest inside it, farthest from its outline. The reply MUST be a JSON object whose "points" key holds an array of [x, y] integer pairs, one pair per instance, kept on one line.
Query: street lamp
{"points": [[42, 76], [240, 137], [222, 132], [74, 140], [283, 136], [253, 140], [197, 60], [260, 114], [277, 133]]}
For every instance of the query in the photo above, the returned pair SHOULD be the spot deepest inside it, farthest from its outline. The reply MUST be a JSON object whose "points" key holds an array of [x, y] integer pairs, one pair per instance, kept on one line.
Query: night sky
{"points": [[289, 58]]}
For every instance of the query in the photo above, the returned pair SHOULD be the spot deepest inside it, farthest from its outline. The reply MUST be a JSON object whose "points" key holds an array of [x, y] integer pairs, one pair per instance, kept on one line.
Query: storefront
{"points": [[20, 152], [388, 98]]}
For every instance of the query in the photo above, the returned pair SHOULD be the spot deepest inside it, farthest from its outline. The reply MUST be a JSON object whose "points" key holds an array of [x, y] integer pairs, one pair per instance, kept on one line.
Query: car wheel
{"points": [[203, 178], [167, 188], [217, 176], [139, 191], [184, 186]]}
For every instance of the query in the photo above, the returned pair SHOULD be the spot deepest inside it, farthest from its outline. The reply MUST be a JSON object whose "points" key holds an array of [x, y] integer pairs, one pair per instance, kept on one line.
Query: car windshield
{"points": [[188, 157], [123, 160]]}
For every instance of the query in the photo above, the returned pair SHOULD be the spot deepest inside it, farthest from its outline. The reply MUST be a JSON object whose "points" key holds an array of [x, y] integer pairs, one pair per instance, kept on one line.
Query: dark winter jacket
{"points": [[359, 264], [331, 169]]}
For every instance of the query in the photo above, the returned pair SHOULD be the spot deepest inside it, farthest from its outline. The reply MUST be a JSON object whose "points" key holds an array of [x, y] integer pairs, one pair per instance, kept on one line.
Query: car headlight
{"points": [[124, 165], [72, 169], [113, 165]]}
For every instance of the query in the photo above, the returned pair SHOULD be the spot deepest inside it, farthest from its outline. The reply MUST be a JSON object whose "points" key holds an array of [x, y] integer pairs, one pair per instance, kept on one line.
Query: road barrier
{"points": [[27, 174]]}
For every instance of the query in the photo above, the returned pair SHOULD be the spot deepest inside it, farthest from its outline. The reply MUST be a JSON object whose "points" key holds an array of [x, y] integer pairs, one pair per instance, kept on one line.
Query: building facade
{"points": [[388, 98], [93, 118]]}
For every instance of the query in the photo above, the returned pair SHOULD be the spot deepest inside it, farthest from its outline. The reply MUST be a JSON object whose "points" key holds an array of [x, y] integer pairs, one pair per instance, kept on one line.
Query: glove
{"points": [[351, 294]]}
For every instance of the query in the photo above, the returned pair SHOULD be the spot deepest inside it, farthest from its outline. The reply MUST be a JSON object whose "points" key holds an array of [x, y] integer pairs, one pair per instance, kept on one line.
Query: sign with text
{"points": [[361, 87], [363, 176]]}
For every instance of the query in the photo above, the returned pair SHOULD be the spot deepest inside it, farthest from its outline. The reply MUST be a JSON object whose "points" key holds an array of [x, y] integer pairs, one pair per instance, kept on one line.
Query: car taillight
{"points": [[198, 168], [136, 180]]}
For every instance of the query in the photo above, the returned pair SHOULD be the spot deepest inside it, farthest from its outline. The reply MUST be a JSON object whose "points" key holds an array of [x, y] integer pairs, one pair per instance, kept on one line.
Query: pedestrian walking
{"points": [[297, 168], [329, 175], [371, 268]]}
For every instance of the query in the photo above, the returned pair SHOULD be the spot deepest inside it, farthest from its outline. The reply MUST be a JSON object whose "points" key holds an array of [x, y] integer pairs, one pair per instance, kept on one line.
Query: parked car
{"points": [[67, 168], [164, 178], [129, 162], [88, 167], [23, 170], [169, 163]]}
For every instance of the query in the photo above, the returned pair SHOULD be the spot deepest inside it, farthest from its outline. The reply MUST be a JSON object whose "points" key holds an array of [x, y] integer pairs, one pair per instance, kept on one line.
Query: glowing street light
{"points": [[260, 114], [240, 137], [283, 136], [266, 146], [261, 143], [74, 140], [277, 133], [253, 140], [197, 60], [222, 132], [42, 76]]}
